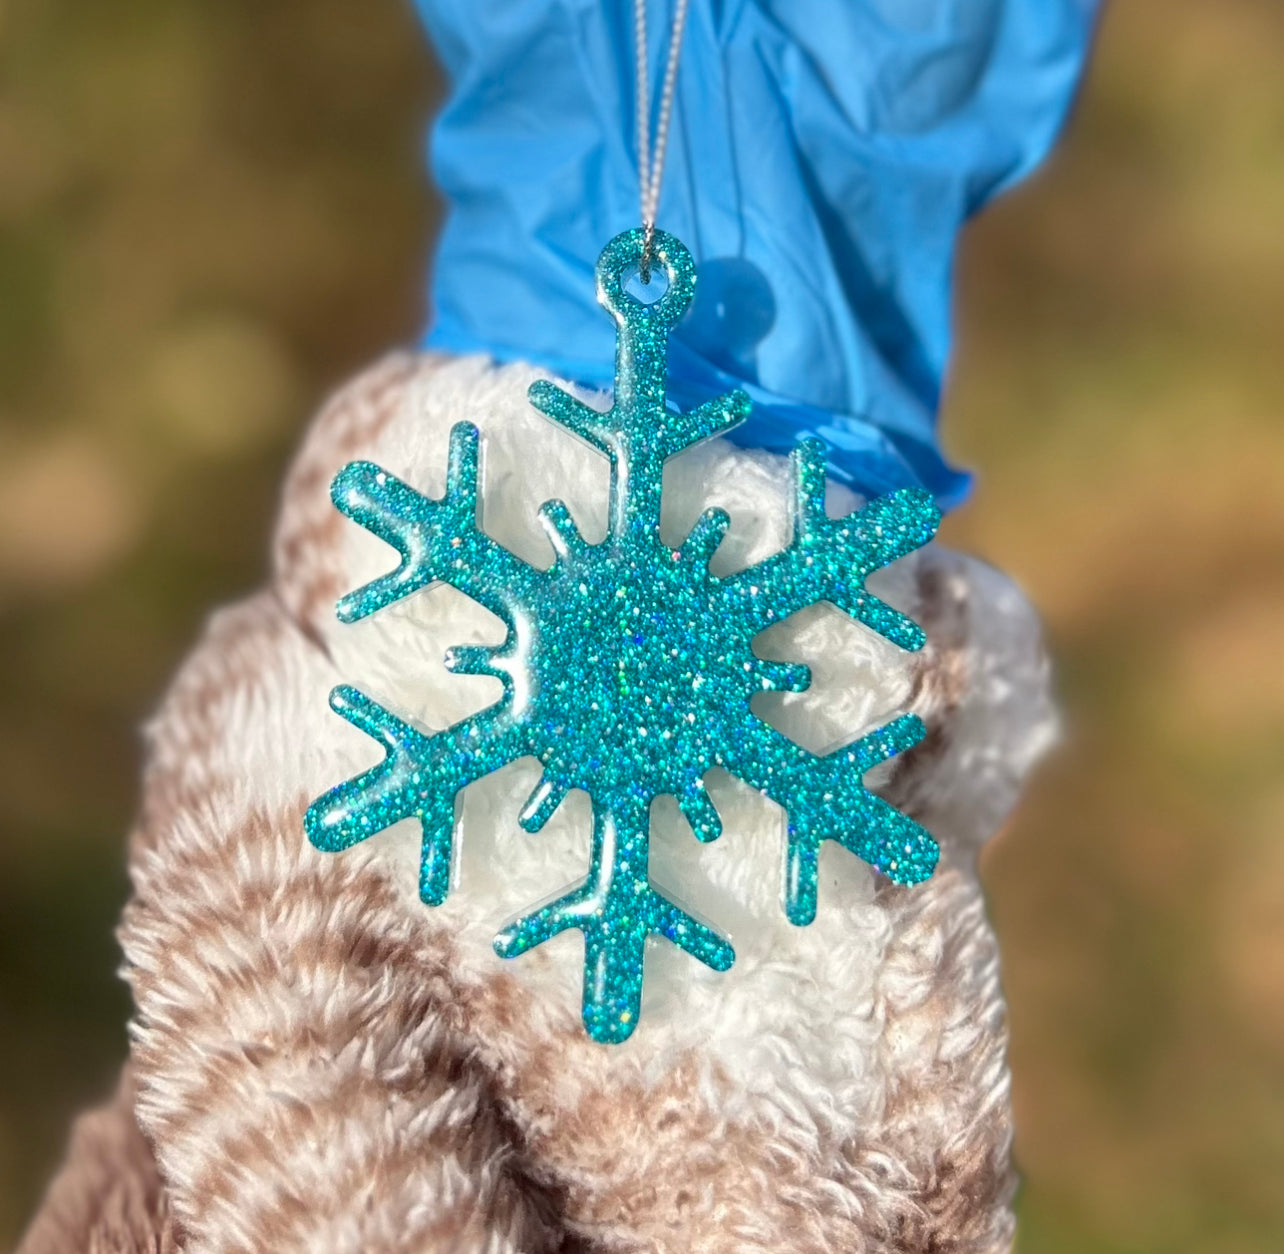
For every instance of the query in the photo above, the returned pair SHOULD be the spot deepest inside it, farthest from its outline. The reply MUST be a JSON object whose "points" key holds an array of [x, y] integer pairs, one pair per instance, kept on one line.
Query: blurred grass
{"points": [[209, 214], [1121, 387]]}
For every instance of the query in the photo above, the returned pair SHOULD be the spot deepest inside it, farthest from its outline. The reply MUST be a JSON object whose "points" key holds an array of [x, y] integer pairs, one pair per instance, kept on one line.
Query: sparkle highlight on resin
{"points": [[628, 668]]}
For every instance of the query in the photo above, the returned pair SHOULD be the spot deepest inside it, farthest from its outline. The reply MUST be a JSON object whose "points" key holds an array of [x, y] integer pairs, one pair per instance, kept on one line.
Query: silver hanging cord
{"points": [[651, 160]]}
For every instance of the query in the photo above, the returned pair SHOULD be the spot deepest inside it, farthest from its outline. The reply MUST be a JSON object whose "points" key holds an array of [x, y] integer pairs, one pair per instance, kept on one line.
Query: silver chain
{"points": [[651, 158]]}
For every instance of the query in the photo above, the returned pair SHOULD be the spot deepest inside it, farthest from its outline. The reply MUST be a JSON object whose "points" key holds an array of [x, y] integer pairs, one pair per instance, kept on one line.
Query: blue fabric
{"points": [[823, 158]]}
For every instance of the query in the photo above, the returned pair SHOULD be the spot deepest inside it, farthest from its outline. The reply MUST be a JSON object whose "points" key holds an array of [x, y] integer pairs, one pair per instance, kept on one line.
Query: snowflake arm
{"points": [[619, 430], [830, 558], [417, 778], [825, 798], [439, 541], [639, 431], [616, 908], [638, 435], [591, 425]]}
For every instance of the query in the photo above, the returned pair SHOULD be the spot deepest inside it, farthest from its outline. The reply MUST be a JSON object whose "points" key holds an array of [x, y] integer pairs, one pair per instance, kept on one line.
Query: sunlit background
{"points": [[211, 213]]}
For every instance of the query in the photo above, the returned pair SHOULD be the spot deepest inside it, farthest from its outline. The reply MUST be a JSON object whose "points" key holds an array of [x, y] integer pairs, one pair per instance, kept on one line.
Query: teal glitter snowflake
{"points": [[628, 668]]}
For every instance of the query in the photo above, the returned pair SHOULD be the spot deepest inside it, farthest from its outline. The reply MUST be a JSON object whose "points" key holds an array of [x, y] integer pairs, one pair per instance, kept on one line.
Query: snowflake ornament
{"points": [[628, 668]]}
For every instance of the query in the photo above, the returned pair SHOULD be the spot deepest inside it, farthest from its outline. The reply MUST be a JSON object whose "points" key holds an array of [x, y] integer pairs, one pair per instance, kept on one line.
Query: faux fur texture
{"points": [[324, 1064], [108, 1198]]}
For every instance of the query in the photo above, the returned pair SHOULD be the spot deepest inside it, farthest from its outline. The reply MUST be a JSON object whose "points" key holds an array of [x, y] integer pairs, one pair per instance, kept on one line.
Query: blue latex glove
{"points": [[824, 155]]}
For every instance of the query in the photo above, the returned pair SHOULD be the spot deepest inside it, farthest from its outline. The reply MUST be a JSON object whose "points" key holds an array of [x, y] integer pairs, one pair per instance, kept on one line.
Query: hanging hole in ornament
{"points": [[645, 293]]}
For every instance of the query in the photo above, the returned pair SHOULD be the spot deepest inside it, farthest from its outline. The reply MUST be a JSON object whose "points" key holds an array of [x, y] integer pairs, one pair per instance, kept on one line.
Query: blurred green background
{"points": [[211, 213]]}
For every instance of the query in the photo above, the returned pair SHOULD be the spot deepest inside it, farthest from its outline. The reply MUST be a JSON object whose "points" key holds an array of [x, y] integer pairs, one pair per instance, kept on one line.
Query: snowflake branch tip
{"points": [[419, 777], [572, 413], [888, 840], [833, 556], [689, 934], [479, 659], [698, 809], [808, 460], [776, 676], [561, 529], [617, 909], [438, 540], [886, 742], [829, 801], [720, 415], [542, 804], [894, 525], [713, 418], [615, 950], [375, 799], [389, 509], [706, 535], [369, 716]]}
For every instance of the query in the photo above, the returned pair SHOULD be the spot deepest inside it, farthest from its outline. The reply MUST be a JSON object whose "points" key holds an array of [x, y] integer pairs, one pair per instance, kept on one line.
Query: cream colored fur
{"points": [[326, 1065]]}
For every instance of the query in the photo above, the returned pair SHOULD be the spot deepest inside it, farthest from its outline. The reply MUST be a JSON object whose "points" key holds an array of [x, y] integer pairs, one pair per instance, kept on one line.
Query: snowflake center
{"points": [[630, 678]]}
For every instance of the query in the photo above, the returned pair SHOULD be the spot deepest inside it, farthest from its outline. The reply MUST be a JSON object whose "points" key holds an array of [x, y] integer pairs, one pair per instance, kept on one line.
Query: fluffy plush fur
{"points": [[324, 1064]]}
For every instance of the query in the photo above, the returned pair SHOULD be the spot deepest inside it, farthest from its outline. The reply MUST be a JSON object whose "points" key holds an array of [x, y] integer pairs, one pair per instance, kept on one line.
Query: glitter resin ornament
{"points": [[628, 668]]}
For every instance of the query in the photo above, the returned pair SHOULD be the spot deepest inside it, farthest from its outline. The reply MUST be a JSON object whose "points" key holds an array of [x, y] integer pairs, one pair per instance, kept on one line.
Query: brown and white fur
{"points": [[322, 1064]]}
